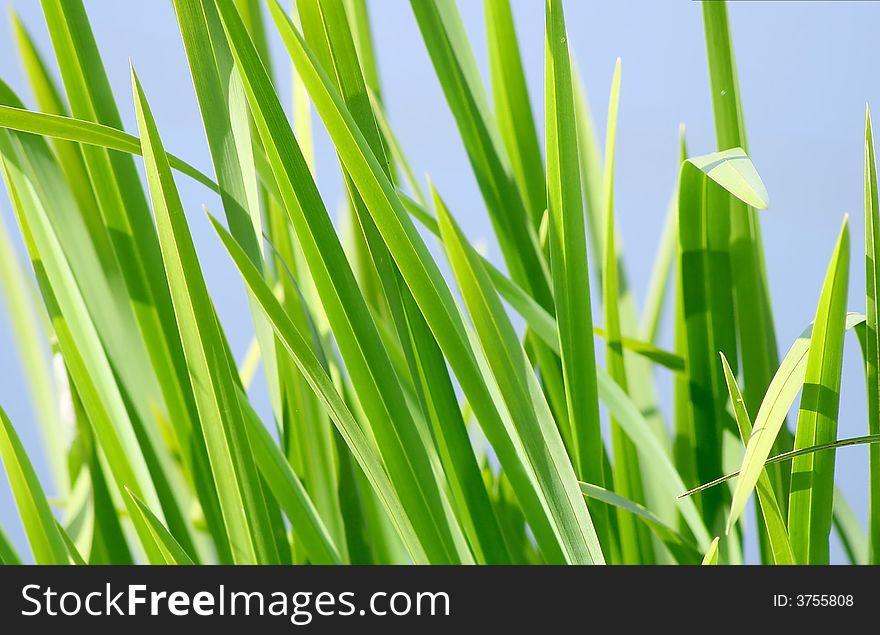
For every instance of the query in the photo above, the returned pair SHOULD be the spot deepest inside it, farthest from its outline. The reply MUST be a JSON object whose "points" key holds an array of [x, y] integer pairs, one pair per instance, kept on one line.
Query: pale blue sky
{"points": [[806, 70]]}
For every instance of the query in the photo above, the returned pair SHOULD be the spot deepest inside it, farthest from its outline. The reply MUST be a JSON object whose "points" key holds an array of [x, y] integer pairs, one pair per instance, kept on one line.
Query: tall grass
{"points": [[411, 419]]}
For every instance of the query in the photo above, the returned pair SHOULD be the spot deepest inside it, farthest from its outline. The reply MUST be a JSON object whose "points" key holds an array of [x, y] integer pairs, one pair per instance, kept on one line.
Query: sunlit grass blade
{"points": [[513, 110], [681, 548], [872, 344], [90, 133], [523, 396], [711, 556], [568, 259], [706, 187], [45, 540], [635, 547], [164, 542], [770, 512], [211, 371], [812, 476]]}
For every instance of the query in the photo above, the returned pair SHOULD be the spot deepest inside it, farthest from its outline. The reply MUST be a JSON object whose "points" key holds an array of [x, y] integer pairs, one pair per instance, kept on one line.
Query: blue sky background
{"points": [[806, 71]]}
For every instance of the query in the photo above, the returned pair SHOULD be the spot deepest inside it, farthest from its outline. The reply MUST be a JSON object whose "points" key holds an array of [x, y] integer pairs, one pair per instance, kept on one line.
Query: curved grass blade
{"points": [[47, 544], [869, 439], [683, 551], [706, 186], [89, 133]]}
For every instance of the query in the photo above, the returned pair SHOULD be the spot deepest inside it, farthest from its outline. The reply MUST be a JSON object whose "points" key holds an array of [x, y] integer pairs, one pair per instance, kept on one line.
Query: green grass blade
{"points": [[872, 344], [754, 314], [680, 547], [90, 133], [8, 554], [635, 545], [770, 511], [812, 476], [513, 109], [289, 492], [46, 543], [707, 184], [210, 369], [568, 258], [711, 556], [523, 396], [164, 542]]}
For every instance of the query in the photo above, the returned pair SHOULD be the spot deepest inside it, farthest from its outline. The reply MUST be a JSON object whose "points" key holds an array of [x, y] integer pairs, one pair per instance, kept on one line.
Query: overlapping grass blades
{"points": [[411, 418]]}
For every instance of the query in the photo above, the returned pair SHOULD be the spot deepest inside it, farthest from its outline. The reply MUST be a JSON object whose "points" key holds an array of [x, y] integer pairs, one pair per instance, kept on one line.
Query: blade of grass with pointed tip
{"points": [[684, 551], [366, 360], [711, 556], [635, 545], [770, 511], [164, 543], [47, 544], [568, 260], [243, 507], [523, 396], [812, 476], [513, 110], [872, 342]]}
